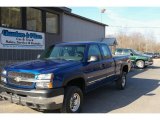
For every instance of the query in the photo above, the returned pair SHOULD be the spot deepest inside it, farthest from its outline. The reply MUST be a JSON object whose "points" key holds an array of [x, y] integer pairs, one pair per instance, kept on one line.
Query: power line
{"points": [[132, 27]]}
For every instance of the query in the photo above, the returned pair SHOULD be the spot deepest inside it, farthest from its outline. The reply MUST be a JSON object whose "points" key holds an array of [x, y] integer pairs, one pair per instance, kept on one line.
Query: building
{"points": [[26, 31]]}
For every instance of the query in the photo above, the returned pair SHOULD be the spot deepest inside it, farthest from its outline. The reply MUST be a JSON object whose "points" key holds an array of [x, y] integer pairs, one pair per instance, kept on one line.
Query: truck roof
{"points": [[80, 42]]}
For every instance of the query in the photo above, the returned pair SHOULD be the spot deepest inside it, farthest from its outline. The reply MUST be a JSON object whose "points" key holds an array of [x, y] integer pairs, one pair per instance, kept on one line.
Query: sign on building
{"points": [[21, 39]]}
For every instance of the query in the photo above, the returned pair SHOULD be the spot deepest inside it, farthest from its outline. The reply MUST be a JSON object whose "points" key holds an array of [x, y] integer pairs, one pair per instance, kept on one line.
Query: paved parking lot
{"points": [[142, 95]]}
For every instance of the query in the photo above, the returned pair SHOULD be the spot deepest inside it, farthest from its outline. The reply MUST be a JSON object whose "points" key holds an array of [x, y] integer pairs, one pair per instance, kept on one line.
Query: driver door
{"points": [[93, 70]]}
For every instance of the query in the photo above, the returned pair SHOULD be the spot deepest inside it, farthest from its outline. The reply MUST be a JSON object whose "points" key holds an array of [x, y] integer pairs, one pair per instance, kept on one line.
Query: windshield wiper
{"points": [[59, 59]]}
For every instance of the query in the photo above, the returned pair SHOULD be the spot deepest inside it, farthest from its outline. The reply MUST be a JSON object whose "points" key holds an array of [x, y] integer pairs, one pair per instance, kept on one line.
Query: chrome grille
{"points": [[20, 83], [19, 74], [13, 75]]}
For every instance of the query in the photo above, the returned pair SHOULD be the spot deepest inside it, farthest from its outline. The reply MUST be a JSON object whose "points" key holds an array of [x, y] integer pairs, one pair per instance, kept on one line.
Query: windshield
{"points": [[136, 52], [64, 52]]}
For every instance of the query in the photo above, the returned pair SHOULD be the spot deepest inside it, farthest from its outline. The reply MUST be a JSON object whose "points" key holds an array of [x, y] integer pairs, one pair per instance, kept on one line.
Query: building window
{"points": [[51, 23], [11, 17], [34, 19]]}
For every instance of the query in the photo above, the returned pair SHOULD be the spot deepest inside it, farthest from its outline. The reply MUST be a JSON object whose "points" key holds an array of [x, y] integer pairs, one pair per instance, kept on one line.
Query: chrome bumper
{"points": [[148, 63], [37, 102]]}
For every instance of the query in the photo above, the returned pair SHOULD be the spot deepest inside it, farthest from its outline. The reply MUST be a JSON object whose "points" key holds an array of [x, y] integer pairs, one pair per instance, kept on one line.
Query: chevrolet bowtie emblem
{"points": [[17, 79]]}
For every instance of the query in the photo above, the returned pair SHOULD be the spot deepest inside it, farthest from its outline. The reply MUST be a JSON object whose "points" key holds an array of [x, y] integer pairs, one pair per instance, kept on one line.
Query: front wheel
{"points": [[140, 64], [73, 100], [121, 82]]}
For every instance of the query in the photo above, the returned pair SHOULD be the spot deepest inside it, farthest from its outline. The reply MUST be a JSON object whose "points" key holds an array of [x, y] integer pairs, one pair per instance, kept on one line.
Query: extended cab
{"points": [[62, 75], [138, 59]]}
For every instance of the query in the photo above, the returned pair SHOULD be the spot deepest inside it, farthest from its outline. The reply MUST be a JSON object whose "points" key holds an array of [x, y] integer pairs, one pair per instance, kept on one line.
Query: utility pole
{"points": [[101, 17], [102, 11]]}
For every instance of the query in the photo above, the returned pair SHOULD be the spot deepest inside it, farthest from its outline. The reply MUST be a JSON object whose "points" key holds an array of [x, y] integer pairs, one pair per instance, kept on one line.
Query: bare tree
{"points": [[138, 41]]}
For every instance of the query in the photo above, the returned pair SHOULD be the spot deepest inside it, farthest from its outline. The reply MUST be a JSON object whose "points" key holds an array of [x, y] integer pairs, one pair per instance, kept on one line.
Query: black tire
{"points": [[142, 64], [121, 82], [69, 92]]}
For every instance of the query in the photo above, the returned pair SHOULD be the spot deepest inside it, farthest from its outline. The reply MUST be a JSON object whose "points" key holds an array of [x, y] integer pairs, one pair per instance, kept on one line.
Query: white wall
{"points": [[76, 29]]}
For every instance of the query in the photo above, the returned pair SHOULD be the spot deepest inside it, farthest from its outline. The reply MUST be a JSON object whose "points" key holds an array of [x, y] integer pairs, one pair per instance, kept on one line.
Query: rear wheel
{"points": [[121, 82], [73, 100], [140, 64]]}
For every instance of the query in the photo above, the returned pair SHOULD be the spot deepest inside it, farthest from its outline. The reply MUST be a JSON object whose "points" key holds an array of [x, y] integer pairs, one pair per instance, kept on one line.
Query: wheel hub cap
{"points": [[75, 102], [123, 80], [140, 64]]}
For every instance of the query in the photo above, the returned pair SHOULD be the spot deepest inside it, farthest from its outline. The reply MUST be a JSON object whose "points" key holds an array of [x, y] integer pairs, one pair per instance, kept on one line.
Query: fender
{"points": [[69, 78], [124, 64]]}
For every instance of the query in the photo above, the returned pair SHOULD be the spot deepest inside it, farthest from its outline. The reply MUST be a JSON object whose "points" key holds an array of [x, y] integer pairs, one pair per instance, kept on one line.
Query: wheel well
{"points": [[80, 82], [140, 59], [125, 68]]}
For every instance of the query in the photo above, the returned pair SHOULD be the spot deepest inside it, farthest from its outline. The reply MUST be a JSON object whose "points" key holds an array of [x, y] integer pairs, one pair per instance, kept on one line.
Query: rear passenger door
{"points": [[107, 62]]}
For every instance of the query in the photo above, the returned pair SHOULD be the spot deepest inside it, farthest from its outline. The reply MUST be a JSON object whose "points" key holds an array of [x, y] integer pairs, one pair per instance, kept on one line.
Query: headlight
{"points": [[4, 72], [44, 81], [44, 76], [3, 79]]}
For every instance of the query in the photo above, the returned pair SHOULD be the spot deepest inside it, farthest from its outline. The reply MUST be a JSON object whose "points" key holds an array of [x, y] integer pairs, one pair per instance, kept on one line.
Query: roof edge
{"points": [[68, 11], [84, 18]]}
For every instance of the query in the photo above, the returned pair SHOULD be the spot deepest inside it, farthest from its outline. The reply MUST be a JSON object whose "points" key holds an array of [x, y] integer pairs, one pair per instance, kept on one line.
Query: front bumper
{"points": [[38, 99], [148, 63]]}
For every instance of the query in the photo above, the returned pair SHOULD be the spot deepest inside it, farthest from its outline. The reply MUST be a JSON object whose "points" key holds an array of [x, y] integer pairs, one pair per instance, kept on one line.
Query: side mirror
{"points": [[93, 59], [131, 54], [38, 56]]}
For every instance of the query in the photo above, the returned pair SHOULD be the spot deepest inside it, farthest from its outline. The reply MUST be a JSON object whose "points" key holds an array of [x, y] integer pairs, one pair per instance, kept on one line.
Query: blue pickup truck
{"points": [[62, 75]]}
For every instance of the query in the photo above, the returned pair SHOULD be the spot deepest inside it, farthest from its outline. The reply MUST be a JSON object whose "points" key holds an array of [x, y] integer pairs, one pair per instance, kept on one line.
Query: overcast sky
{"points": [[131, 19]]}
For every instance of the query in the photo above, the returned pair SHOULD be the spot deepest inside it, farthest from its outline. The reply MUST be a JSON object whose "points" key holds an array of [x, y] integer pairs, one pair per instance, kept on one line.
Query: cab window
{"points": [[94, 51], [126, 52], [106, 52], [118, 51]]}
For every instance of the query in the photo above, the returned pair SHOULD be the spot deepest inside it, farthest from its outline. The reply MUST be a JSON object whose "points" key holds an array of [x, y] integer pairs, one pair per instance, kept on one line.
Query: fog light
{"points": [[44, 85], [3, 79]]}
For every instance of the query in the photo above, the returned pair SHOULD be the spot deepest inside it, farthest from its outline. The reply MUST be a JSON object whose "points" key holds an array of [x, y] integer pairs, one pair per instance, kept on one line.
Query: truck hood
{"points": [[150, 56], [41, 66], [142, 55]]}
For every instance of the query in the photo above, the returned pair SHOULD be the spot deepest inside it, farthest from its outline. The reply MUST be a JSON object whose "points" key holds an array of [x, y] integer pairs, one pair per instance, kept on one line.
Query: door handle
{"points": [[103, 66]]}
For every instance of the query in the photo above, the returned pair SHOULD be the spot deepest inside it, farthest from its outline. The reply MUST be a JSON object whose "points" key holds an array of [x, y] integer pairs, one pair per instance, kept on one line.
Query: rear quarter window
{"points": [[106, 52]]}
